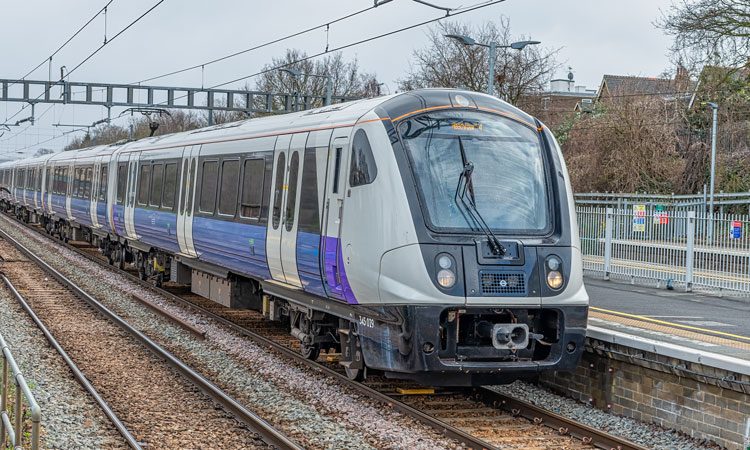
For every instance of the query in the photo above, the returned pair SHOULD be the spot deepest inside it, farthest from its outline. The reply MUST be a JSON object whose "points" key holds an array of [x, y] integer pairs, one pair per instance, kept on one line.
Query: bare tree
{"points": [[626, 146], [447, 63], [346, 77], [709, 31]]}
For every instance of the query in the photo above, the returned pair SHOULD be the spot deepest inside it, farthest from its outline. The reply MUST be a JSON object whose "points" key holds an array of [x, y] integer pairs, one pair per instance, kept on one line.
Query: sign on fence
{"points": [[661, 218], [736, 229], [639, 217]]}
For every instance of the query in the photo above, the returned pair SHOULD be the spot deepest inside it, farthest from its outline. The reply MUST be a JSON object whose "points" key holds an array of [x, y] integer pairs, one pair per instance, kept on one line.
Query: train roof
{"points": [[394, 107]]}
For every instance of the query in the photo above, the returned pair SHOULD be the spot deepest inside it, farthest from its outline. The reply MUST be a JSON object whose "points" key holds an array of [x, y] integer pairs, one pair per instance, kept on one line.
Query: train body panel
{"points": [[430, 234]]}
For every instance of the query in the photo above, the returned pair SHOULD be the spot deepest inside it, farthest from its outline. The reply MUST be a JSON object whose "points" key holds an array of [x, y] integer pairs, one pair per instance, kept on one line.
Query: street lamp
{"points": [[492, 46], [715, 107], [297, 73]]}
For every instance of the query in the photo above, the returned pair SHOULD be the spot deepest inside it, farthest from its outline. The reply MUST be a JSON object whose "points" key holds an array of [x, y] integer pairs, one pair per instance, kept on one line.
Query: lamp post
{"points": [[715, 107], [296, 73], [492, 46]]}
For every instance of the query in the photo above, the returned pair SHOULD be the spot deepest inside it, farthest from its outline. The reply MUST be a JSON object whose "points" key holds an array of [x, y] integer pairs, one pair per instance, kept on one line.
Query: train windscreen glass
{"points": [[507, 183]]}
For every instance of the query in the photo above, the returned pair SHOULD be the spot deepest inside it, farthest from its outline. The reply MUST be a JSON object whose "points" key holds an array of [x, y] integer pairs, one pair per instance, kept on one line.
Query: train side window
{"points": [[122, 181], [76, 181], [209, 180], [336, 170], [309, 218], [252, 188], [144, 181], [157, 184], [170, 183], [278, 190], [88, 181], [103, 184], [363, 170], [230, 177]]}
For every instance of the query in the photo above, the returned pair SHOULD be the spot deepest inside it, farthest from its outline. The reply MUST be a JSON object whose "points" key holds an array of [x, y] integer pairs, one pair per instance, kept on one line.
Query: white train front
{"points": [[429, 235]]}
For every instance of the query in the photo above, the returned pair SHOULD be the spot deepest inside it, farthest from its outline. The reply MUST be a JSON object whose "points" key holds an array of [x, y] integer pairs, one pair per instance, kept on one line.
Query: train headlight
{"points": [[553, 263], [445, 262], [446, 278], [554, 279]]}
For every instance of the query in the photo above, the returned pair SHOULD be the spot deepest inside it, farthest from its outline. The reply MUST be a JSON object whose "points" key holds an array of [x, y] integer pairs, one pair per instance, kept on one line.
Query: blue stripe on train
{"points": [[239, 247], [308, 263], [157, 228], [81, 210]]}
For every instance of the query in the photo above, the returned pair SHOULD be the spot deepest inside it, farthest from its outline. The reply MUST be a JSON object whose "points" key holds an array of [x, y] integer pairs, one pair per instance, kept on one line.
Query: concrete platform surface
{"points": [[695, 327]]}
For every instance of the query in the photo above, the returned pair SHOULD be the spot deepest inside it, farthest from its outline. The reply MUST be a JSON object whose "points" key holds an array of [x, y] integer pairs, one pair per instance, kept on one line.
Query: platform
{"points": [[706, 329]]}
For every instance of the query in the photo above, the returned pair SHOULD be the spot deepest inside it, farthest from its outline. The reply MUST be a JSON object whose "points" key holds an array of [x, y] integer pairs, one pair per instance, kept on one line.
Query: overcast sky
{"points": [[595, 37]]}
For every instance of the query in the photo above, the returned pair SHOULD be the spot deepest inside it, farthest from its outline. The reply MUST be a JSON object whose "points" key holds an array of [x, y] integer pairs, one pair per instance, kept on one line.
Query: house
{"points": [[619, 87], [562, 101]]}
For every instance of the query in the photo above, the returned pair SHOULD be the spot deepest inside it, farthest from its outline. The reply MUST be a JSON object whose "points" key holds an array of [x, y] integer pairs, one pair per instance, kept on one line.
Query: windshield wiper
{"points": [[465, 185]]}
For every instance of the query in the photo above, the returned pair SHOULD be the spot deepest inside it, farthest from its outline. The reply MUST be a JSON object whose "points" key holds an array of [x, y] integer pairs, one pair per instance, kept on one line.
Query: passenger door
{"points": [[130, 195], [276, 211], [94, 198], [289, 221], [186, 200], [333, 212]]}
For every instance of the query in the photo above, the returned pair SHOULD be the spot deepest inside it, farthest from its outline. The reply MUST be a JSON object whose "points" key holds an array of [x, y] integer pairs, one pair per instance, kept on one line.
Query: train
{"points": [[428, 235]]}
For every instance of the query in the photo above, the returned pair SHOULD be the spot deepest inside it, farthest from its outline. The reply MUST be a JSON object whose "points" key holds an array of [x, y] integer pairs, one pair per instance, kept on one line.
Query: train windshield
{"points": [[506, 183]]}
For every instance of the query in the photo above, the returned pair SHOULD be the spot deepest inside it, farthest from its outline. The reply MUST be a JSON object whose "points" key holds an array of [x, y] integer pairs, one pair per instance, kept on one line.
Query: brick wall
{"points": [[700, 401]]}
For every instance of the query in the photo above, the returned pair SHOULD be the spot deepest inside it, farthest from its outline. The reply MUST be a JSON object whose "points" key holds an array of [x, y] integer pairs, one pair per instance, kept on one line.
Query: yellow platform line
{"points": [[671, 324]]}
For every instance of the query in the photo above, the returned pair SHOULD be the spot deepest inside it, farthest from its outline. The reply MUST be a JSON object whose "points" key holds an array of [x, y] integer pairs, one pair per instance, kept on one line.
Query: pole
{"points": [[713, 168], [491, 81], [328, 89], [713, 162]]}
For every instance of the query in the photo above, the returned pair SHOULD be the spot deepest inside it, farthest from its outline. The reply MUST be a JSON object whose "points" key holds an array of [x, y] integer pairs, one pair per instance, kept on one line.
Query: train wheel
{"points": [[310, 352], [355, 374]]}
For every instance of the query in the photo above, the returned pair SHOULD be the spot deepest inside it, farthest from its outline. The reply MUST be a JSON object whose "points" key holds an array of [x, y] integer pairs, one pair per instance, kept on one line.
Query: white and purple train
{"points": [[428, 235]]}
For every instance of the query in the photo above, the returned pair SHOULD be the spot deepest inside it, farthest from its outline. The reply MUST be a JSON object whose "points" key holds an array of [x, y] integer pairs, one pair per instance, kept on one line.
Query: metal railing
{"points": [[671, 202], [688, 249], [14, 431]]}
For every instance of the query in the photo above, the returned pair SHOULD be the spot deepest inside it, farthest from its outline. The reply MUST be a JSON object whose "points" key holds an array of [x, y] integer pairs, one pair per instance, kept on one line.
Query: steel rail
{"points": [[587, 434], [267, 432]]}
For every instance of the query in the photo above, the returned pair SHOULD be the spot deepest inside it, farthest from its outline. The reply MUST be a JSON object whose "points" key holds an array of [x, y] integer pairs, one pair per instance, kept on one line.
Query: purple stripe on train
{"points": [[338, 286]]}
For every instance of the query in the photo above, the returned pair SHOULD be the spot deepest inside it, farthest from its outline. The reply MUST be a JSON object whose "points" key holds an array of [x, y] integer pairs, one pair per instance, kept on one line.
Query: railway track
{"points": [[161, 403], [479, 418]]}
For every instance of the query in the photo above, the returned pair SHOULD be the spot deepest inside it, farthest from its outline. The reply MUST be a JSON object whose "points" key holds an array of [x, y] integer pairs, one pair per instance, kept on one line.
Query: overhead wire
{"points": [[91, 55], [47, 59], [456, 12], [106, 42]]}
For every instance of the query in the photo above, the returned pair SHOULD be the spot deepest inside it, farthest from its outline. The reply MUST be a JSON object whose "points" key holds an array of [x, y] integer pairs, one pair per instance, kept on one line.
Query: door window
{"points": [[191, 188], [291, 196], [278, 190], [309, 218]]}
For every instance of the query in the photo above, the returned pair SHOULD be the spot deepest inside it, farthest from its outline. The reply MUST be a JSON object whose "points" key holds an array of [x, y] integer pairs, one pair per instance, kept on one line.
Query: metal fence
{"points": [[688, 202], [14, 431], [685, 249]]}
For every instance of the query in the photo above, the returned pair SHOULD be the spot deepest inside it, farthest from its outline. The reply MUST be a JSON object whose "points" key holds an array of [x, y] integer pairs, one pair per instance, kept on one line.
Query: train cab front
{"points": [[492, 290]]}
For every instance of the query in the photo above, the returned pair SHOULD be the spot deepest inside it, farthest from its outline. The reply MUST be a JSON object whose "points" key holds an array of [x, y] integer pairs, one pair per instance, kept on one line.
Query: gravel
{"points": [[638, 432], [70, 417], [315, 410]]}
